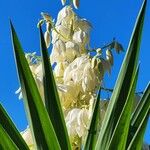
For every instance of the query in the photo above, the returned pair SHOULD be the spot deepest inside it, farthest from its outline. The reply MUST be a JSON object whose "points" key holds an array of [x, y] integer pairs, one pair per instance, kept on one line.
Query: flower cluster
{"points": [[78, 74]]}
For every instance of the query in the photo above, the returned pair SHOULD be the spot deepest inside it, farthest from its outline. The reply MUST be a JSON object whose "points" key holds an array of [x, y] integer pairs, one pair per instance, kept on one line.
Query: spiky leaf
{"points": [[39, 121], [52, 101]]}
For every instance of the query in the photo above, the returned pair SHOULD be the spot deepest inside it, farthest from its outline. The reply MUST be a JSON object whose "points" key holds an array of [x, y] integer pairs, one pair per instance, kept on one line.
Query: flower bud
{"points": [[48, 26], [63, 2], [94, 62], [47, 39], [109, 57], [46, 17], [76, 3]]}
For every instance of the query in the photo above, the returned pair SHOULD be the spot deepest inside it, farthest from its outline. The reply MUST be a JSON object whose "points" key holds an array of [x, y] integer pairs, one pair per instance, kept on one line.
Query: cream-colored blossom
{"points": [[27, 136], [68, 94], [47, 38], [106, 65], [63, 32], [65, 15], [58, 52], [82, 24], [76, 3], [82, 38], [109, 57], [72, 51], [59, 70], [80, 71], [77, 121]]}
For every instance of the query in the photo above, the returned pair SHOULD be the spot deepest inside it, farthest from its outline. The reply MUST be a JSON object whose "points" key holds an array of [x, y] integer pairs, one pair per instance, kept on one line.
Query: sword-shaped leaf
{"points": [[137, 140], [11, 130], [123, 84], [52, 101], [122, 127], [93, 129], [6, 142], [139, 113], [39, 120]]}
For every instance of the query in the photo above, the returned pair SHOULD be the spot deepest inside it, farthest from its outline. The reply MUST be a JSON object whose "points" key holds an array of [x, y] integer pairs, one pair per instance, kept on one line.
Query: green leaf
{"points": [[5, 141], [52, 101], [93, 129], [137, 140], [142, 107], [139, 113], [122, 126], [123, 84], [11, 130], [39, 121]]}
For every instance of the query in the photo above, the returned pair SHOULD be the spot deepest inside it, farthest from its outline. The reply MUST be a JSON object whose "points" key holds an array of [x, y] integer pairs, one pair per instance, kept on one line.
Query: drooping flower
{"points": [[80, 71], [65, 16], [77, 121]]}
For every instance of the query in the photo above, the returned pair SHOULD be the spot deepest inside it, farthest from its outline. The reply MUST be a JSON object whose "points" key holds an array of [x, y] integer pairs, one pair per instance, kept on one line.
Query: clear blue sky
{"points": [[109, 19]]}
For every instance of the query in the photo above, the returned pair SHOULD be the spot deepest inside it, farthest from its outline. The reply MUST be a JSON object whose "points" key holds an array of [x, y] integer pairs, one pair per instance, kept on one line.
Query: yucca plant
{"points": [[121, 128]]}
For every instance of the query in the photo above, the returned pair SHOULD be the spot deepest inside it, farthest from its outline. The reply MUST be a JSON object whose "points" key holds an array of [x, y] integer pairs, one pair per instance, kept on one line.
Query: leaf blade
{"points": [[52, 101], [11, 130], [6, 143], [122, 128], [127, 71], [92, 137], [38, 117]]}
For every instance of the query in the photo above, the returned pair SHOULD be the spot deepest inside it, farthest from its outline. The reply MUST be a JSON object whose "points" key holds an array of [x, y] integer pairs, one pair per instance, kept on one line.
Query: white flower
{"points": [[65, 15], [77, 121], [82, 38], [106, 65], [80, 71], [76, 3], [109, 57], [27, 136], [59, 70], [82, 24], [68, 94], [64, 32], [72, 51], [55, 36], [58, 52], [47, 38]]}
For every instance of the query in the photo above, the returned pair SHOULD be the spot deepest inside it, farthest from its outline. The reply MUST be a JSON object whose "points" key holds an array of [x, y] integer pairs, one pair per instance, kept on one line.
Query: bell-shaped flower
{"points": [[82, 38], [109, 57], [68, 94], [72, 51], [58, 52], [63, 33], [65, 15], [59, 70], [82, 24], [77, 121], [80, 71], [47, 38]]}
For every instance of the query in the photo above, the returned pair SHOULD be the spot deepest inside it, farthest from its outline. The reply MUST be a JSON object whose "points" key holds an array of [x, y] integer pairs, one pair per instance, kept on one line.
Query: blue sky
{"points": [[109, 19]]}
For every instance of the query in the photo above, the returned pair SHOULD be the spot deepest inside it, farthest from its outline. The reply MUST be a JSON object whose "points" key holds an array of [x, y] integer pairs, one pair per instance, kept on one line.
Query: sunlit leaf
{"points": [[123, 84], [39, 121], [52, 101], [93, 129], [11, 130]]}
